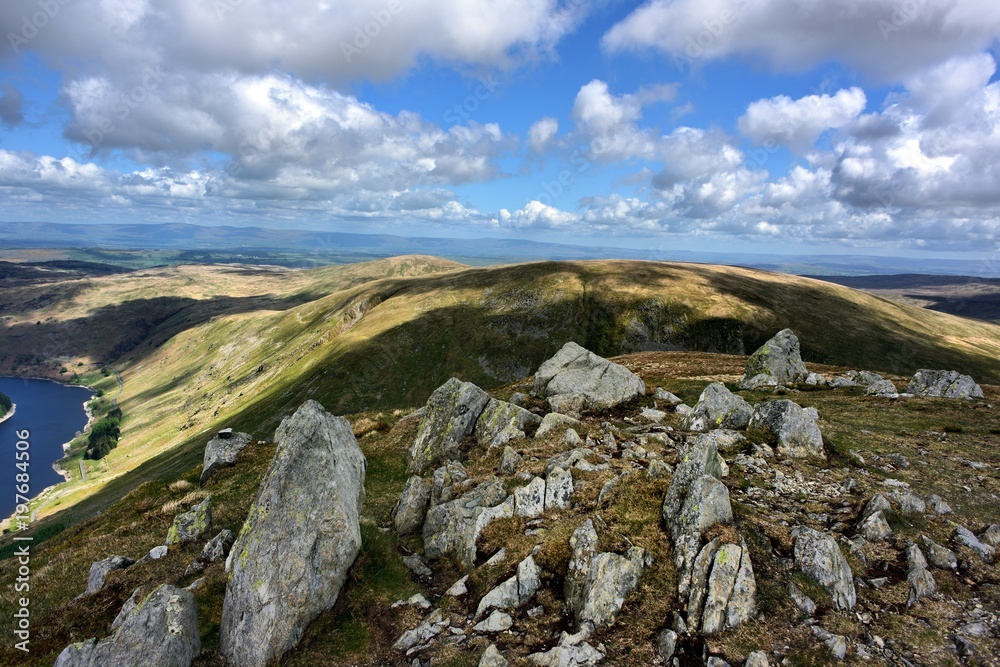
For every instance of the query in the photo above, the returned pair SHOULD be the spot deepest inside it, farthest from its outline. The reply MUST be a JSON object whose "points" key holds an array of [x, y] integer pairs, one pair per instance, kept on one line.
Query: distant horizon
{"points": [[316, 243]]}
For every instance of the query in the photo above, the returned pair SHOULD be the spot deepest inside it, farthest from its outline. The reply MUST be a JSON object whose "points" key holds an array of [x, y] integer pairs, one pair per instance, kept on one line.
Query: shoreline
{"points": [[65, 446], [10, 413]]}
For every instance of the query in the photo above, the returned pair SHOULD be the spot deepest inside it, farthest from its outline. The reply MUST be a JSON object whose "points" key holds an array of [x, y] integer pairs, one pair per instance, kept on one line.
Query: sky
{"points": [[787, 126]]}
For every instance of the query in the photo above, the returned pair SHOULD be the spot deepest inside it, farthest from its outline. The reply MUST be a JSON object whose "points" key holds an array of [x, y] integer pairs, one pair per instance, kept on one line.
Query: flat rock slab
{"points": [[576, 380]]}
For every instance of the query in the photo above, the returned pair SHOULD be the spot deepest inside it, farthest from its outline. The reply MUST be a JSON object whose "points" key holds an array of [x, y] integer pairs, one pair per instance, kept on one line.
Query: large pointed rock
{"points": [[944, 384], [778, 361], [575, 380], [450, 416], [717, 407], [818, 556], [794, 428], [162, 630], [501, 422], [301, 536]]}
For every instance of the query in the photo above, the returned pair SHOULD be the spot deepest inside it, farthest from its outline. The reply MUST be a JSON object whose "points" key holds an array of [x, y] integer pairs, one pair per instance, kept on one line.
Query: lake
{"points": [[53, 413]]}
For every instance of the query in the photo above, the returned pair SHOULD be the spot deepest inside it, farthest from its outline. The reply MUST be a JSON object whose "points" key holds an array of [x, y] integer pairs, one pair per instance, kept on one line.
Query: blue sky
{"points": [[867, 126]]}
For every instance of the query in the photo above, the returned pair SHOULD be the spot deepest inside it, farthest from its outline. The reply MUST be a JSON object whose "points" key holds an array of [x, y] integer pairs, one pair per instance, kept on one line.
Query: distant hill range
{"points": [[309, 248], [967, 296]]}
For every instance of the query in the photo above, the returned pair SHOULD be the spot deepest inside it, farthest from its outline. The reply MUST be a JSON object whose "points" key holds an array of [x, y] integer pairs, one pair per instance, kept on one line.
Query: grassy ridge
{"points": [[246, 347]]}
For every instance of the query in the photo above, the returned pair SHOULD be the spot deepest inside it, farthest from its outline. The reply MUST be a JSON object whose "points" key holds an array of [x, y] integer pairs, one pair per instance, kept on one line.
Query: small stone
{"points": [[509, 461], [417, 566], [939, 556], [217, 548], [651, 415], [572, 439], [156, 553], [938, 505], [459, 588], [964, 536], [191, 525], [661, 394], [658, 469], [100, 570], [411, 509], [756, 659], [910, 503], [666, 645], [423, 633], [498, 621], [802, 601], [492, 658], [558, 489], [991, 535]]}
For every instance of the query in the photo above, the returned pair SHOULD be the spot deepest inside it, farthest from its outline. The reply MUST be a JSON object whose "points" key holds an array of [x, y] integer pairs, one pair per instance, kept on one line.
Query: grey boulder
{"points": [[221, 452], [575, 380], [451, 415], [492, 657], [162, 630], [920, 579], [722, 594], [597, 584], [884, 388], [217, 548], [818, 556], [451, 529], [300, 538], [191, 525], [99, 571], [514, 592], [778, 361], [411, 508], [509, 461], [794, 429], [501, 422], [717, 407], [555, 421], [943, 384]]}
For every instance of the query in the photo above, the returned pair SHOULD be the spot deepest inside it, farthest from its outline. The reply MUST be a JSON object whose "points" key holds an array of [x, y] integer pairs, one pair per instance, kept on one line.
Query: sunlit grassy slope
{"points": [[205, 347]]}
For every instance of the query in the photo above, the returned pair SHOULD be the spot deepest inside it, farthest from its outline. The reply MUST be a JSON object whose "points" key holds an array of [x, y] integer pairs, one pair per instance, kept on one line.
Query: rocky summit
{"points": [[644, 510]]}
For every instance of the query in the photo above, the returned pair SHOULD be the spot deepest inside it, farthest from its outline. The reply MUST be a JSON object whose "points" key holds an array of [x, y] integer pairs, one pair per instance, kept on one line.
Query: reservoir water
{"points": [[52, 413]]}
